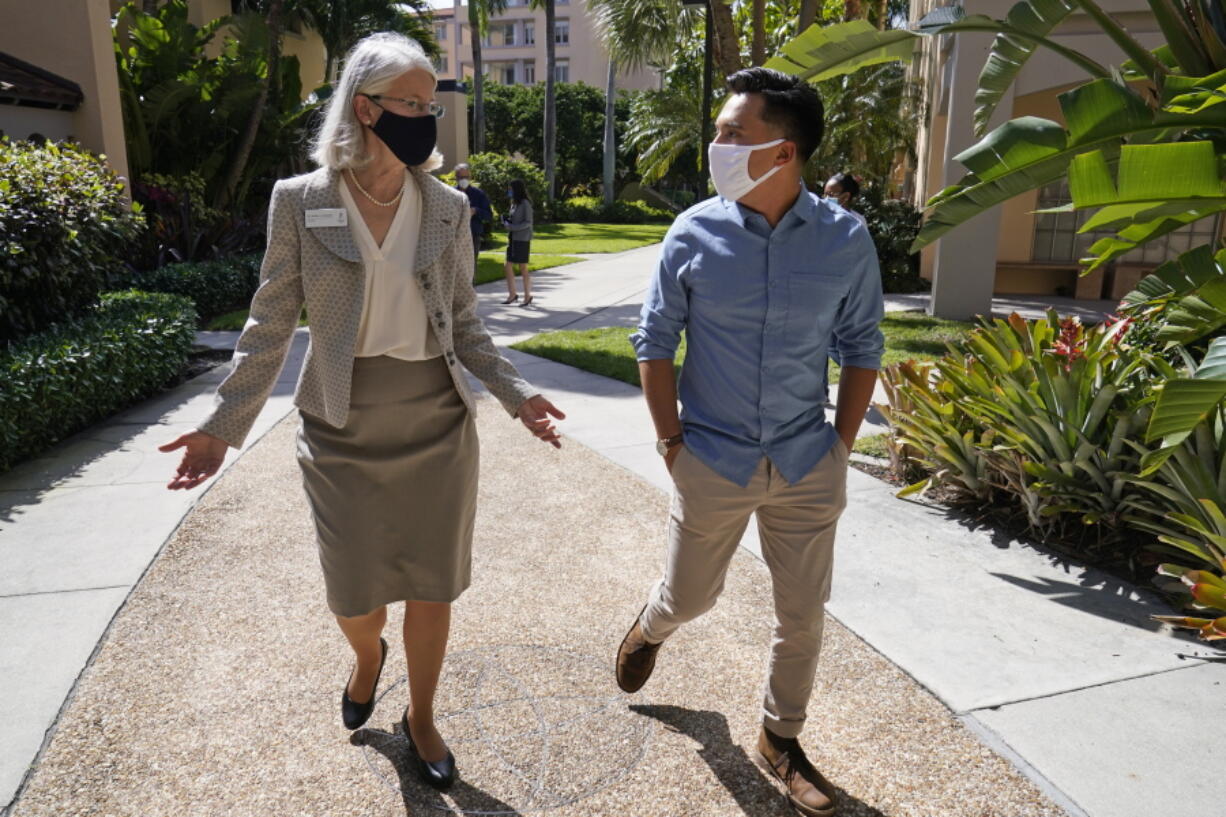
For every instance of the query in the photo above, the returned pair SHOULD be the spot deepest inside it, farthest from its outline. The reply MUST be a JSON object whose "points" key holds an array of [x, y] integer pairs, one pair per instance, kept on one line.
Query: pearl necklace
{"points": [[362, 190]]}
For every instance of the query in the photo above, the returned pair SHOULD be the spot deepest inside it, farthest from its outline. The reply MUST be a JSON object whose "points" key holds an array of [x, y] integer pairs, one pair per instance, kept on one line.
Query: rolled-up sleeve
{"points": [[857, 333], [667, 305]]}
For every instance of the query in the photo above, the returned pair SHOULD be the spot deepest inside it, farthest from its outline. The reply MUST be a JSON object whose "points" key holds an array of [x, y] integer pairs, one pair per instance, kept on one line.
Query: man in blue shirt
{"points": [[478, 206], [764, 279]]}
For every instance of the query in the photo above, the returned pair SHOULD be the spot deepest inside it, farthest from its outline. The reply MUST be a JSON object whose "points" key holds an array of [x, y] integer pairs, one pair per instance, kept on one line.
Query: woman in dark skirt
{"points": [[518, 221], [380, 254]]}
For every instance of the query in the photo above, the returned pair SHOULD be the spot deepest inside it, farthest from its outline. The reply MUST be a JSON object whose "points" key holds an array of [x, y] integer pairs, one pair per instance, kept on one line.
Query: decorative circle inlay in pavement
{"points": [[533, 728]]}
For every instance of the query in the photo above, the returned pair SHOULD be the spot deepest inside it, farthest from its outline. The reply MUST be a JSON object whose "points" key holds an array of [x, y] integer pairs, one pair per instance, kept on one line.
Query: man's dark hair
{"points": [[790, 103], [847, 183]]}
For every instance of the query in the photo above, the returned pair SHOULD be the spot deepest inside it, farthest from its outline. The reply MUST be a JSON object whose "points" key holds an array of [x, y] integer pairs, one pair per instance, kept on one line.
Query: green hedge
{"points": [[215, 287], [64, 225], [56, 382], [593, 209]]}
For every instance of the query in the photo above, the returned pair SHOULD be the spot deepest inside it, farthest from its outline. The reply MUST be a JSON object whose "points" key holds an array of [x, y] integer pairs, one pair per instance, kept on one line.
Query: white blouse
{"points": [[394, 320]]}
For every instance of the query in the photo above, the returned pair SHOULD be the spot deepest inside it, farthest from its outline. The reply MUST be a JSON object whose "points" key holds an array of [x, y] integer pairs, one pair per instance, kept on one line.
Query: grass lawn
{"points": [[561, 239], [489, 264], [606, 351], [873, 445]]}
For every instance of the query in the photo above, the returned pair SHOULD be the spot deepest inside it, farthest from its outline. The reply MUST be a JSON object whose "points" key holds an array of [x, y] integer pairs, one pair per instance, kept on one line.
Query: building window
{"points": [[503, 72], [1056, 240], [561, 32], [561, 71], [442, 64], [440, 32], [529, 33], [529, 73], [501, 34]]}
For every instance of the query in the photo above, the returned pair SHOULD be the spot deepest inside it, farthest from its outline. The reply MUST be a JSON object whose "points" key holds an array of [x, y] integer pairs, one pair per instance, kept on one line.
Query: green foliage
{"points": [[64, 225], [1032, 416], [71, 375], [893, 224], [871, 118], [493, 173], [593, 209], [214, 287], [514, 116], [185, 111]]}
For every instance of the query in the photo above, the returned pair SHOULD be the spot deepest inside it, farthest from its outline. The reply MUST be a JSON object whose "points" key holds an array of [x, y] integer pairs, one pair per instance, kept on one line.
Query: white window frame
{"points": [[530, 73], [561, 67], [561, 32], [529, 32]]}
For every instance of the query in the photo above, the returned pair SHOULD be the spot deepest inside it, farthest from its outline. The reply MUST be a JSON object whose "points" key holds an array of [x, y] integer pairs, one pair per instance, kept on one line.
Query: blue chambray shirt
{"points": [[762, 309]]}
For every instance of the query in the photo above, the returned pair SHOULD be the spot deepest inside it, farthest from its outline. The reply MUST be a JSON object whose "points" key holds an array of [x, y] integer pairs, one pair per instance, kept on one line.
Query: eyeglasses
{"points": [[415, 108]]}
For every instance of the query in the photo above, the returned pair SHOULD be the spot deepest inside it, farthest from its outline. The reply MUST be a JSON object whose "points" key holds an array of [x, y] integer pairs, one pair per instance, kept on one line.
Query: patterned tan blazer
{"points": [[321, 268]]}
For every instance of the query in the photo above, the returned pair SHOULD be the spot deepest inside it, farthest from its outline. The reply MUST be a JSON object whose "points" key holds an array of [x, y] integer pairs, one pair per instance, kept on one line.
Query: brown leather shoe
{"points": [[808, 792], [636, 658]]}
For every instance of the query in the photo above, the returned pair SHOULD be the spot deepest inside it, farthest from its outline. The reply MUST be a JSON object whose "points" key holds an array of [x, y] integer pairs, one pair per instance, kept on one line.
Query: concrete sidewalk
{"points": [[1057, 668]]}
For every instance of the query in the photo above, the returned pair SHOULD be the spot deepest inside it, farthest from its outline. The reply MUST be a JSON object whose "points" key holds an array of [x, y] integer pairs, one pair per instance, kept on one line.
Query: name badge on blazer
{"points": [[328, 217]]}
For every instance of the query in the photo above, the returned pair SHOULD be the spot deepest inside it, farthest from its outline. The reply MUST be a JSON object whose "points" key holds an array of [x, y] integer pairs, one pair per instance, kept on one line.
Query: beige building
{"points": [[1010, 249], [71, 41], [513, 52]]}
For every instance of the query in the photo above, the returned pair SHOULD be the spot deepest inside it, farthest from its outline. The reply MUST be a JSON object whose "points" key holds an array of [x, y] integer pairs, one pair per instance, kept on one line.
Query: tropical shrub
{"points": [[493, 172], [187, 105], [64, 225], [181, 224], [514, 126], [893, 224], [215, 287], [76, 372], [593, 209], [1033, 416]]}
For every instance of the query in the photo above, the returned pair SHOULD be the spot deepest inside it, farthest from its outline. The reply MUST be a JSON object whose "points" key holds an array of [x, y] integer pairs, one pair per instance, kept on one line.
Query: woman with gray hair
{"points": [[379, 252]]}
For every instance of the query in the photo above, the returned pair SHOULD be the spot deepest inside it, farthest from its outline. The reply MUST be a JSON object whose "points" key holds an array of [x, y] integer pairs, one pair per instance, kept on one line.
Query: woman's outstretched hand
{"points": [[202, 457], [534, 414]]}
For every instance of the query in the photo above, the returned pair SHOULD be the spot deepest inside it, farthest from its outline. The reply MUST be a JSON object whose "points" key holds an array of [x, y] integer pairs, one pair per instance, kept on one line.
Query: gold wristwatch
{"points": [[665, 445]]}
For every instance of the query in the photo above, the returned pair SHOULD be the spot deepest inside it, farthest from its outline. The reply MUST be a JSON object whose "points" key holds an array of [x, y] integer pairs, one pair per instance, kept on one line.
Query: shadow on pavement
{"points": [[733, 767], [420, 798]]}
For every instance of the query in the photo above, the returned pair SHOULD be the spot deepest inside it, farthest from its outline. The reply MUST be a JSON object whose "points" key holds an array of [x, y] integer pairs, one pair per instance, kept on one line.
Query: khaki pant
{"points": [[796, 524]]}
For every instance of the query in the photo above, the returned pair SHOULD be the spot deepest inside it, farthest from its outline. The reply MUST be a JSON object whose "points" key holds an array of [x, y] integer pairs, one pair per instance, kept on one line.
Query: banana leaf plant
{"points": [[1102, 116]]}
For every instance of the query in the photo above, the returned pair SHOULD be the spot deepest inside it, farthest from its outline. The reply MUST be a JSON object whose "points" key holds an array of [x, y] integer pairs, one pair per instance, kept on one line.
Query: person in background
{"points": [[478, 207], [762, 279], [843, 189], [518, 222]]}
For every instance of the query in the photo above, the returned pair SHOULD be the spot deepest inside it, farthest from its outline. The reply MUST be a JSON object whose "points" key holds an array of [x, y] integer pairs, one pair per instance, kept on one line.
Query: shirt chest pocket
{"points": [[813, 304]]}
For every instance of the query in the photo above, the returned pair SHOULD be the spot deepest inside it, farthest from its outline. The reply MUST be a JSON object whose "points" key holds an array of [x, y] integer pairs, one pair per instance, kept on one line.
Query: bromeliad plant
{"points": [[1184, 504], [1035, 415]]}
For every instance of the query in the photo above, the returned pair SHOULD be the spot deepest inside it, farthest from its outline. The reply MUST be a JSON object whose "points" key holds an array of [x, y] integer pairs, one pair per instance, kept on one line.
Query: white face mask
{"points": [[730, 168], [462, 183]]}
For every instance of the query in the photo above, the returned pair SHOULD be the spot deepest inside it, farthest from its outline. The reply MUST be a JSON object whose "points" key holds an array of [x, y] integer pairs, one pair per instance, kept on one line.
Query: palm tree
{"points": [[551, 111], [341, 23], [808, 13], [727, 44], [238, 162], [479, 13], [636, 33], [757, 52]]}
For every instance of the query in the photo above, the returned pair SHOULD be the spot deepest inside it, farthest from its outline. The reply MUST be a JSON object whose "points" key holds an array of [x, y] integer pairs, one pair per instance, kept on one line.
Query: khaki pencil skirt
{"points": [[394, 492]]}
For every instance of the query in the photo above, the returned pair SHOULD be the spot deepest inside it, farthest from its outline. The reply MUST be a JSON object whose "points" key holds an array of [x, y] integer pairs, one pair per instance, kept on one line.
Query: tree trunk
{"points": [[727, 44], [238, 164], [474, 30], [852, 10], [610, 137], [551, 124], [149, 6], [881, 12], [808, 13], [757, 52]]}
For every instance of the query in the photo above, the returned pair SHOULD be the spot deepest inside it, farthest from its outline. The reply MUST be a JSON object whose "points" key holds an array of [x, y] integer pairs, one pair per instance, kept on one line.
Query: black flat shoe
{"points": [[355, 714], [439, 774]]}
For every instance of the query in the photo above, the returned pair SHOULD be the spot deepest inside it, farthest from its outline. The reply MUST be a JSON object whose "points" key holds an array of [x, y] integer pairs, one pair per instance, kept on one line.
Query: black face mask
{"points": [[410, 138]]}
